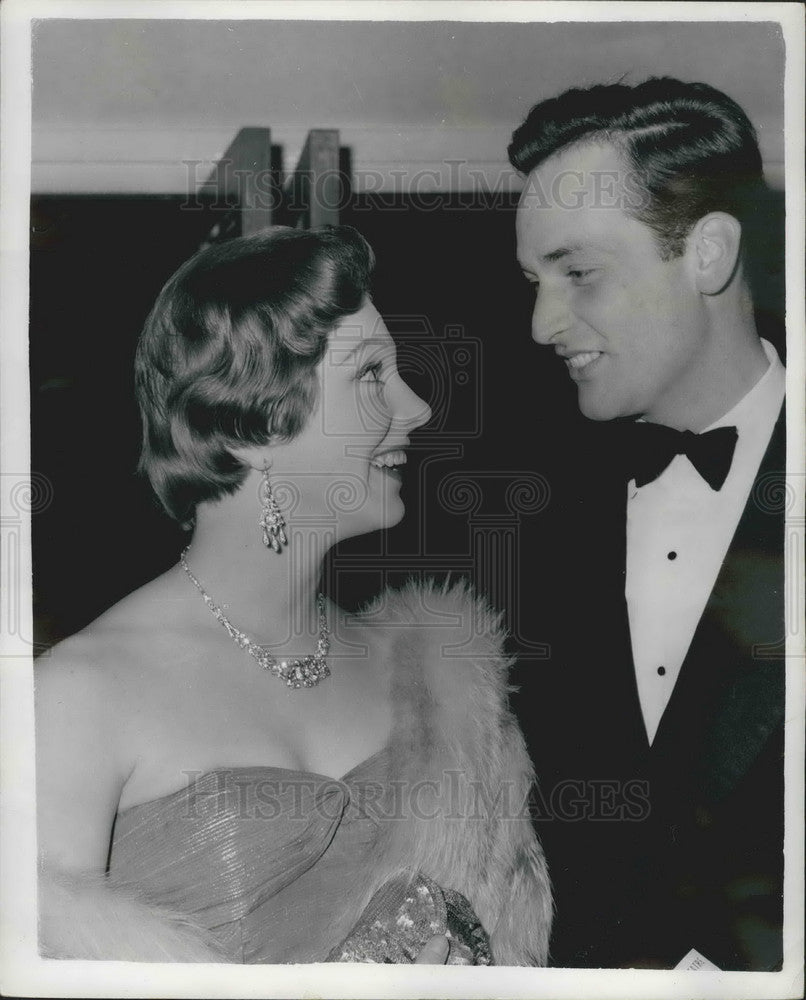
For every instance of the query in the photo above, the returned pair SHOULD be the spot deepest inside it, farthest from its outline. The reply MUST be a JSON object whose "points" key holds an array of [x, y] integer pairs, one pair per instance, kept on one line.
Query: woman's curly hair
{"points": [[229, 352]]}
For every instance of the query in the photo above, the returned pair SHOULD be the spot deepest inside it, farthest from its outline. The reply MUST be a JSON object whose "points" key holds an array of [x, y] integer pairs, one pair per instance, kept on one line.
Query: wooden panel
{"points": [[242, 181], [313, 192]]}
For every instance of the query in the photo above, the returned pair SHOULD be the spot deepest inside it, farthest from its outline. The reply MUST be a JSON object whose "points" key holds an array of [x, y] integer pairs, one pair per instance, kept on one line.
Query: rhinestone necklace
{"points": [[306, 672]]}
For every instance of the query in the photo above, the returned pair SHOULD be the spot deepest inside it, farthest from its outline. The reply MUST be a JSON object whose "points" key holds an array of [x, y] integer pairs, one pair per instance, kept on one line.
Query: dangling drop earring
{"points": [[271, 518]]}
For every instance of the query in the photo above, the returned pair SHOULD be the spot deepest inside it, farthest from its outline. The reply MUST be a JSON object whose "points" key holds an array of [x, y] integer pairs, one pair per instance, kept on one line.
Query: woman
{"points": [[229, 769]]}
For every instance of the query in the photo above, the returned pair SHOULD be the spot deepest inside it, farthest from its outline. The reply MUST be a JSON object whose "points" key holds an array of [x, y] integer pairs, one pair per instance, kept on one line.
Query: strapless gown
{"points": [[271, 861]]}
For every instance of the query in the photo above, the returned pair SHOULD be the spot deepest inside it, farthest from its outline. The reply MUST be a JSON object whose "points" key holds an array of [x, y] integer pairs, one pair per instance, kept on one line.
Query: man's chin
{"points": [[599, 410]]}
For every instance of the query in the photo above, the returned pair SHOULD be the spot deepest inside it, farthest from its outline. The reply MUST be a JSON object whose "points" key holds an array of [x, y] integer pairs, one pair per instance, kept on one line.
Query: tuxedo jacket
{"points": [[654, 850]]}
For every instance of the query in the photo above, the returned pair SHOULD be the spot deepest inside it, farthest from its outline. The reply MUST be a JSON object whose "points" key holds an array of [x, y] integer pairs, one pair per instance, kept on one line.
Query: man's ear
{"points": [[715, 241]]}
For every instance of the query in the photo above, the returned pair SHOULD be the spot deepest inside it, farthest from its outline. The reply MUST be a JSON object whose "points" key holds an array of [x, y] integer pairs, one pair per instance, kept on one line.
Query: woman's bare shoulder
{"points": [[92, 692], [124, 637], [89, 692]]}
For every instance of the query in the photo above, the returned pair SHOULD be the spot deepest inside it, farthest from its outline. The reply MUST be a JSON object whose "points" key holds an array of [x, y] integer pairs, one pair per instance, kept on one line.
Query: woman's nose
{"points": [[408, 408]]}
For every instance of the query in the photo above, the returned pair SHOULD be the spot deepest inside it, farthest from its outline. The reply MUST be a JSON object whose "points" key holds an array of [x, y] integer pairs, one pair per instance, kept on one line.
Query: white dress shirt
{"points": [[678, 533]]}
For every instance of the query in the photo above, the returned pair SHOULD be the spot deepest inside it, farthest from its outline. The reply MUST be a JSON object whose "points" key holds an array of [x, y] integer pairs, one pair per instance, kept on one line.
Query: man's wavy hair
{"points": [[692, 149], [228, 354]]}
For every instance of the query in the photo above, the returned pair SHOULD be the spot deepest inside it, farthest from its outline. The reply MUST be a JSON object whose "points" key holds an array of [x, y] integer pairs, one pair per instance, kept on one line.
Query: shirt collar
{"points": [[765, 396]]}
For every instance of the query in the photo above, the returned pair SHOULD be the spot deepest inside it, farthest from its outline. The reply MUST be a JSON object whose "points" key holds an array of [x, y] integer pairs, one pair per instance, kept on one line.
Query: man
{"points": [[656, 726]]}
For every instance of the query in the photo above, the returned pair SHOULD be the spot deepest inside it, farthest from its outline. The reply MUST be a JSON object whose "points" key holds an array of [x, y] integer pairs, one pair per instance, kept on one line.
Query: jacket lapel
{"points": [[730, 693]]}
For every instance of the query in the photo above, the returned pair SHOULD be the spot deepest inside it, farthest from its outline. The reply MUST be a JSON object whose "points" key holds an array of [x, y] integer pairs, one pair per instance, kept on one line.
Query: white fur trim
{"points": [[81, 916], [454, 728]]}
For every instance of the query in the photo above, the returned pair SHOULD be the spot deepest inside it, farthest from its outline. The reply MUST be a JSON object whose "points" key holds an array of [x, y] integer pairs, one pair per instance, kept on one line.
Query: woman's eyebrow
{"points": [[369, 342], [559, 253]]}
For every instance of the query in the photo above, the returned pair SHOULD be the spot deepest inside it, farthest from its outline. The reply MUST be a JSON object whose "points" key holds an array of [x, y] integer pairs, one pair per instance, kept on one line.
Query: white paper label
{"points": [[695, 962]]}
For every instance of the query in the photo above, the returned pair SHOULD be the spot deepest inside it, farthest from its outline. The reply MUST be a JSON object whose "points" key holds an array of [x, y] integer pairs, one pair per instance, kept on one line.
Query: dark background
{"points": [[446, 281]]}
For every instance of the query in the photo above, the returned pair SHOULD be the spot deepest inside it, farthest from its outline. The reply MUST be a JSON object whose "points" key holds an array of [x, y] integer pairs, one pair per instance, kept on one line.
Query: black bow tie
{"points": [[649, 448]]}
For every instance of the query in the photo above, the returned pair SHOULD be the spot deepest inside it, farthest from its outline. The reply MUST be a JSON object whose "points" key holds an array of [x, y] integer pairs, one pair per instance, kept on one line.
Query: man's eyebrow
{"points": [[594, 245], [554, 255]]}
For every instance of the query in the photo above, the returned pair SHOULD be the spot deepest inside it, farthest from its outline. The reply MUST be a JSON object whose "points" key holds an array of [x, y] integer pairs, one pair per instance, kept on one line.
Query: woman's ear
{"points": [[253, 456], [716, 241]]}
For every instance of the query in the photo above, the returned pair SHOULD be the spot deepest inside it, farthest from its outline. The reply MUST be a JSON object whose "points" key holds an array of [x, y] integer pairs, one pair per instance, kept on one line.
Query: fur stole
{"points": [[460, 763]]}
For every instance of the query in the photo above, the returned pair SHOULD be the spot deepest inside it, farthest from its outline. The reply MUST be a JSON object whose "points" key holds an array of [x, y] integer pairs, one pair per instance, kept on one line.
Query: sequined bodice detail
{"points": [[267, 858]]}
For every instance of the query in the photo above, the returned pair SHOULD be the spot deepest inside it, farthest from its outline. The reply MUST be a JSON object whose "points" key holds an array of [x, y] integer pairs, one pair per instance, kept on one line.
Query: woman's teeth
{"points": [[389, 459], [580, 360]]}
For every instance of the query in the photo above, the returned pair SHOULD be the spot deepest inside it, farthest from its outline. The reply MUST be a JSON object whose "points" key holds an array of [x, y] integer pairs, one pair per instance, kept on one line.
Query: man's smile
{"points": [[580, 363]]}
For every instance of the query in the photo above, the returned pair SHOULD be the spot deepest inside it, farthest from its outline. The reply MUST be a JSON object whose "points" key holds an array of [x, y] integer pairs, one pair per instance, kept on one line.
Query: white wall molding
{"points": [[386, 158], [406, 159]]}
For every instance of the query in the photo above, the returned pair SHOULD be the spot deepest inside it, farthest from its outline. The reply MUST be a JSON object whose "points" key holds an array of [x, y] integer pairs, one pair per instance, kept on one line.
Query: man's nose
{"points": [[550, 316]]}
